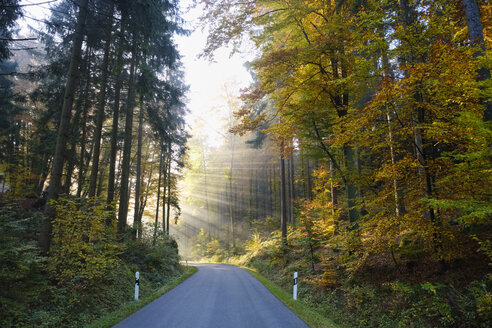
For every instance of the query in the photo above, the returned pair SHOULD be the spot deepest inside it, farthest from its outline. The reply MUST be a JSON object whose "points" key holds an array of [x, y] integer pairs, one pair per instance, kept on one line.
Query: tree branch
{"points": [[15, 74], [22, 39], [20, 49], [299, 24], [30, 4], [271, 12]]}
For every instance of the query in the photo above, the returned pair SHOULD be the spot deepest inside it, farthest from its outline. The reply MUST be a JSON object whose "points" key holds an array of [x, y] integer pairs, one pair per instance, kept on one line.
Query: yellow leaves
{"points": [[18, 180], [295, 66], [82, 246], [328, 278], [253, 244]]}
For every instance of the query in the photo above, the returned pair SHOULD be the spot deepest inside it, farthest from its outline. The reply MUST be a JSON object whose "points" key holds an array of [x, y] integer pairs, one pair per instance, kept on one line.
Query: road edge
{"points": [[128, 309], [312, 318]]}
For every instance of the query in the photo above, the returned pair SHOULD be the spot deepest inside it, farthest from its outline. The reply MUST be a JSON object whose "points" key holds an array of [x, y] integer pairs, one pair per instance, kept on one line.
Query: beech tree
{"points": [[355, 84]]}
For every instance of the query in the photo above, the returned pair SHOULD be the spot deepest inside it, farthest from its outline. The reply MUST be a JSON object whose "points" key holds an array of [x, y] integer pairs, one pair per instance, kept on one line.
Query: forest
{"points": [[92, 125], [359, 157]]}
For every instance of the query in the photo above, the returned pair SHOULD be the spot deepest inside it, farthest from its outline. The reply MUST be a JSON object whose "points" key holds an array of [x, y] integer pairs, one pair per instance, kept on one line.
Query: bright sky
{"points": [[206, 79]]}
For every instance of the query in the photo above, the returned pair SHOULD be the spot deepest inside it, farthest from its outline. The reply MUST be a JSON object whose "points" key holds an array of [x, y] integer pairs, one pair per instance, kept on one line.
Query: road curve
{"points": [[217, 296]]}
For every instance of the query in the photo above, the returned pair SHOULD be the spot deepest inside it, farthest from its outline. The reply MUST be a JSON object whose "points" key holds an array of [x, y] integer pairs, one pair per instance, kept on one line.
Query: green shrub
{"points": [[21, 274], [156, 260]]}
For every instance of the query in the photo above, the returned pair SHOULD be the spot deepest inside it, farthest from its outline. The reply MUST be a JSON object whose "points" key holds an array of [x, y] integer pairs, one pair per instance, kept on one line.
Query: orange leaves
{"points": [[316, 220], [251, 95]]}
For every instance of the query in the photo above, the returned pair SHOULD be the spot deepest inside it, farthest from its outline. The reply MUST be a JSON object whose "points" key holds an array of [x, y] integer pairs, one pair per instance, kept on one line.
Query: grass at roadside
{"points": [[311, 318], [127, 309]]}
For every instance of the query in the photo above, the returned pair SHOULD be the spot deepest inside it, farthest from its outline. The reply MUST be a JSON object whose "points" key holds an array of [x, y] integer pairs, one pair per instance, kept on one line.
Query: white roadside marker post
{"points": [[295, 286], [137, 284]]}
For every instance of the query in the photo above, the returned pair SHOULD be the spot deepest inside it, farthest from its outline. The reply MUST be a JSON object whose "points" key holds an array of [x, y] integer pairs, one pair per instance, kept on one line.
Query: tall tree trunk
{"points": [[204, 165], [100, 107], [101, 175], [137, 224], [83, 139], [475, 33], [283, 196], [398, 194], [264, 192], [251, 196], [63, 129], [360, 191], [334, 197], [145, 197], [341, 101], [350, 188], [349, 154], [237, 202], [127, 145], [399, 207], [116, 111], [231, 214], [309, 187], [164, 197], [74, 138], [43, 175], [267, 191], [156, 223], [169, 182], [275, 192], [272, 191], [87, 163], [292, 191], [259, 206], [475, 30], [287, 188]]}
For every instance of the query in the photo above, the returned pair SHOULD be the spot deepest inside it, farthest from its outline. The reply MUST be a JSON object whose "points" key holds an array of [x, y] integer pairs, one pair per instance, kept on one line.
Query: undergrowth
{"points": [[88, 273]]}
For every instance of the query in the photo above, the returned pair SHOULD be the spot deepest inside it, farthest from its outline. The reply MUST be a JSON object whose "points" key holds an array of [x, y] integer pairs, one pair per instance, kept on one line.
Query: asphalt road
{"points": [[217, 296]]}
